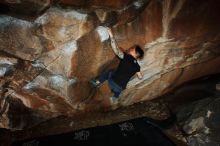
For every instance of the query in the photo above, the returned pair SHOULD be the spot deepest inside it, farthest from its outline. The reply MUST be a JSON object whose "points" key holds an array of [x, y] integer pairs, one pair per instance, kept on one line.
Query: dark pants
{"points": [[115, 88]]}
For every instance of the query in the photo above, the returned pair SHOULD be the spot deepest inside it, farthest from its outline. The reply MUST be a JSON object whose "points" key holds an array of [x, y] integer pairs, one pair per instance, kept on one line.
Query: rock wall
{"points": [[199, 121], [47, 60]]}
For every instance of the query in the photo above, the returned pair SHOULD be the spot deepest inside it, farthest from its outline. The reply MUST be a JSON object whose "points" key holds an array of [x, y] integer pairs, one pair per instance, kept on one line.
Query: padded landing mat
{"points": [[137, 132]]}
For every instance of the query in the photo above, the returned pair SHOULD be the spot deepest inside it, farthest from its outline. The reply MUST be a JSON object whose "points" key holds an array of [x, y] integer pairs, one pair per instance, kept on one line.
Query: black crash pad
{"points": [[137, 132]]}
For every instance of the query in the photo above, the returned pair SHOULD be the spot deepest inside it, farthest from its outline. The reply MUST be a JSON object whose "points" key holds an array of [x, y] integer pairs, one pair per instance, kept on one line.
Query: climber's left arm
{"points": [[114, 45], [139, 75]]}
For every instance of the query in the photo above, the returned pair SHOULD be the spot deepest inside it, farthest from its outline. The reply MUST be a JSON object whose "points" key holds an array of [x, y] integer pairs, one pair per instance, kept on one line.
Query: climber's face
{"points": [[133, 53]]}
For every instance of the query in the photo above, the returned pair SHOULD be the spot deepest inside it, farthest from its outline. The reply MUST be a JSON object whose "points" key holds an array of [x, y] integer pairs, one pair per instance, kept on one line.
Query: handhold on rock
{"points": [[5, 69], [103, 33]]}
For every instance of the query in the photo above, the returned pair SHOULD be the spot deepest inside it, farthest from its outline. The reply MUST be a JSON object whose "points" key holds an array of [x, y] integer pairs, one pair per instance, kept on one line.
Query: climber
{"points": [[128, 66]]}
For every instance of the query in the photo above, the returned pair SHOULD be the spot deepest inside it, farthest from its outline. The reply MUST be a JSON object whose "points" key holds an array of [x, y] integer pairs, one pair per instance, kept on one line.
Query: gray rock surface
{"points": [[201, 122]]}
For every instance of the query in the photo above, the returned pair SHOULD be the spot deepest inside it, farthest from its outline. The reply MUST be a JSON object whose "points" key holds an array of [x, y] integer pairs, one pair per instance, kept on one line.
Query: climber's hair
{"points": [[140, 51]]}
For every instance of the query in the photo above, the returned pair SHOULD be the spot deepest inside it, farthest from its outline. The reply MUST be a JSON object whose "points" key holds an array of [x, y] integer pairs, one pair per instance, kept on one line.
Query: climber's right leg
{"points": [[116, 90]]}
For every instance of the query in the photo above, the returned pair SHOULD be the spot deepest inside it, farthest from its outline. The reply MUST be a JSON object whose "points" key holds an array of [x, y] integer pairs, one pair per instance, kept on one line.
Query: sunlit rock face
{"points": [[46, 62]]}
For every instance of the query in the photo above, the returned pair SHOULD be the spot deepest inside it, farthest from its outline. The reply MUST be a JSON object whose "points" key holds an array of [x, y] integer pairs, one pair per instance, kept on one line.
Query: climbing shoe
{"points": [[113, 100], [95, 83]]}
